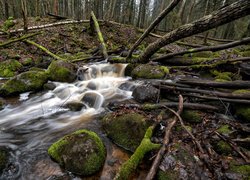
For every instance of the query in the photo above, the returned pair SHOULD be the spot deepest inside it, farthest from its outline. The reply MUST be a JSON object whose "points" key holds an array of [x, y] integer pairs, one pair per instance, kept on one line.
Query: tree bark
{"points": [[224, 15], [24, 13], [153, 24], [206, 48]]}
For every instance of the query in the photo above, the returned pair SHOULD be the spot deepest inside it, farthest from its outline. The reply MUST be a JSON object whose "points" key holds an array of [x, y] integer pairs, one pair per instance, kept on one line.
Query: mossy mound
{"points": [[126, 130], [3, 158], [243, 112], [27, 62], [204, 54], [242, 91], [129, 68], [62, 71], [167, 175], [225, 129], [192, 116], [223, 148], [81, 152], [222, 76], [147, 71], [27, 81], [9, 68], [244, 170], [246, 53]]}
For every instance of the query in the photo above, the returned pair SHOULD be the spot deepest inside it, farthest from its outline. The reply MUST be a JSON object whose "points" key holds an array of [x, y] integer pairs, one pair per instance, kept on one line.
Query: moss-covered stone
{"points": [[243, 112], [3, 159], [223, 148], [9, 68], [148, 71], [126, 129], [81, 152], [62, 71], [225, 129], [192, 116], [226, 76], [27, 81], [129, 68], [167, 175], [27, 62]]}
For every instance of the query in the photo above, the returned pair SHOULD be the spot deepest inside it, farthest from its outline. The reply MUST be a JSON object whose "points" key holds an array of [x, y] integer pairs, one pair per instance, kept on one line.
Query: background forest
{"points": [[136, 12]]}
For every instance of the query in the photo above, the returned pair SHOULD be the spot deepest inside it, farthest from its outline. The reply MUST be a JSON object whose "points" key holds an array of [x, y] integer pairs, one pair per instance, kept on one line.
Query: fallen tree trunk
{"points": [[18, 39], [99, 34], [222, 16], [153, 24], [214, 84], [44, 49], [215, 39], [57, 17], [206, 48]]}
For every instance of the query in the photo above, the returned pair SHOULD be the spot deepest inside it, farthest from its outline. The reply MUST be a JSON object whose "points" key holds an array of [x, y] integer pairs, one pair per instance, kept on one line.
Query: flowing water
{"points": [[29, 126]]}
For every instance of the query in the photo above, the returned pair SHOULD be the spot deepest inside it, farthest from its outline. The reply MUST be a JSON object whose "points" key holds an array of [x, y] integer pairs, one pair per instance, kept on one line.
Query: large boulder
{"points": [[24, 82], [9, 68], [81, 152], [62, 71], [148, 71], [125, 129], [145, 93]]}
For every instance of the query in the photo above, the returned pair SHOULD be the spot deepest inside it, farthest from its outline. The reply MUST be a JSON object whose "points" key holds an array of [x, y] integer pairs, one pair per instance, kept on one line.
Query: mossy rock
{"points": [[192, 116], [225, 129], [167, 175], [226, 76], [9, 68], [81, 152], [243, 112], [147, 71], [244, 170], [27, 62], [2, 104], [129, 68], [223, 148], [4, 156], [62, 71], [24, 82], [126, 130]]}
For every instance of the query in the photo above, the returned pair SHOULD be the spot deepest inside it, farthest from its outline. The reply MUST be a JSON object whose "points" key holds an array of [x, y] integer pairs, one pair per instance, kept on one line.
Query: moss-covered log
{"points": [[44, 49], [99, 33], [129, 166]]}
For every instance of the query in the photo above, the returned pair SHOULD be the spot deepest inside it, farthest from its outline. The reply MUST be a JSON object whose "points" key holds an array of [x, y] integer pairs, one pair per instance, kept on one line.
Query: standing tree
{"points": [[24, 13]]}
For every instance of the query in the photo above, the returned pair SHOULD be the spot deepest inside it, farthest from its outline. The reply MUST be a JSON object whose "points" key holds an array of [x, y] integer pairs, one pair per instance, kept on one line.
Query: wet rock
{"points": [[62, 71], [24, 82], [129, 68], [192, 116], [4, 156], [91, 85], [126, 129], [127, 86], [9, 68], [81, 152], [75, 106], [2, 104], [92, 99], [147, 71], [49, 86], [145, 93]]}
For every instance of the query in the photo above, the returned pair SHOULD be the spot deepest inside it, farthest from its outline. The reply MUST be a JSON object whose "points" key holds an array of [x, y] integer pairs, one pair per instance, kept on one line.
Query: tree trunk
{"points": [[153, 24], [6, 9], [24, 13], [224, 15]]}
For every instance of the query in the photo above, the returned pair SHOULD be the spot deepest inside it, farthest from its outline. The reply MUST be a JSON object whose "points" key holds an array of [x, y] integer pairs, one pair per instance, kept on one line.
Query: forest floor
{"points": [[223, 134]]}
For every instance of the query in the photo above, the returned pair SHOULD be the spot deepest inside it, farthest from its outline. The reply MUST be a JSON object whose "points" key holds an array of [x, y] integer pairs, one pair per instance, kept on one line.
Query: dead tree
{"points": [[222, 16], [152, 25], [206, 48]]}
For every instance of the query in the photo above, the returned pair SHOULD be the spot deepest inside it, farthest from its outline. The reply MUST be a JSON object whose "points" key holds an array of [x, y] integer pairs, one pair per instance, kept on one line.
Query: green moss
{"points": [[246, 54], [27, 62], [145, 146], [8, 68], [82, 159], [126, 130], [242, 91], [227, 76], [241, 169], [192, 116], [204, 54], [243, 112], [8, 24], [148, 71], [225, 129], [221, 80], [27, 81], [149, 107], [129, 68], [223, 148]]}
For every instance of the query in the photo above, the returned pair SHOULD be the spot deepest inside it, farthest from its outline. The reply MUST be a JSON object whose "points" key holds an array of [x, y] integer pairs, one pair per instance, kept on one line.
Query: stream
{"points": [[30, 124]]}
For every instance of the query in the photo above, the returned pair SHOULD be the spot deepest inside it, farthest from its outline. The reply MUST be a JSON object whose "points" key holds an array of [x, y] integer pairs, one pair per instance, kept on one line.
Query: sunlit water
{"points": [[29, 128]]}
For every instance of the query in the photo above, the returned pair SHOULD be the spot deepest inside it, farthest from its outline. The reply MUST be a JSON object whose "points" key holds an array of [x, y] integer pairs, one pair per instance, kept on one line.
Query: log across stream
{"points": [[34, 121]]}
